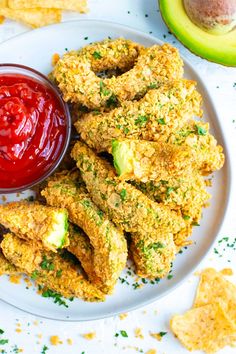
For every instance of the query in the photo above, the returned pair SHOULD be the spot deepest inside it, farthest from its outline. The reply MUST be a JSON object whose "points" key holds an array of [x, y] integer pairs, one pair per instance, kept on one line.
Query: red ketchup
{"points": [[32, 130]]}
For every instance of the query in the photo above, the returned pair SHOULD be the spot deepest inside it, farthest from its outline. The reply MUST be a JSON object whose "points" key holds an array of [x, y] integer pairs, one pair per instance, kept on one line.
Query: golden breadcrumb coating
{"points": [[185, 194], [49, 269], [159, 113], [75, 73], [6, 267]]}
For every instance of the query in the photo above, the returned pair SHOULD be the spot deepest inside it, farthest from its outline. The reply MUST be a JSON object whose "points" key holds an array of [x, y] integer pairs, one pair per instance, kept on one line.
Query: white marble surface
{"points": [[35, 332]]}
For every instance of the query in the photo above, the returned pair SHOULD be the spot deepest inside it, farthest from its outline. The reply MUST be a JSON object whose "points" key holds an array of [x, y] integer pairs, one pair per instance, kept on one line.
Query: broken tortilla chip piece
{"points": [[32, 17], [206, 328], [213, 287], [73, 5]]}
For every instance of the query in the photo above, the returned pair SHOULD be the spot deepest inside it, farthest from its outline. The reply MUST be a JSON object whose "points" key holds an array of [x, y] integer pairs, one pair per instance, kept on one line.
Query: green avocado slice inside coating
{"points": [[220, 49], [122, 157]]}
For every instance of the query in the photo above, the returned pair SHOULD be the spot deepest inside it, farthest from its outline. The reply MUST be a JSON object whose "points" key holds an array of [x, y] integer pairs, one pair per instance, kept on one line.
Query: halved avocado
{"points": [[219, 49]]}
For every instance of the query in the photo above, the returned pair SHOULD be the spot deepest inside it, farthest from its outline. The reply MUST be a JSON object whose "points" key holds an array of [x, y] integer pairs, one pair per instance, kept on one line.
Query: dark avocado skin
{"points": [[219, 49]]}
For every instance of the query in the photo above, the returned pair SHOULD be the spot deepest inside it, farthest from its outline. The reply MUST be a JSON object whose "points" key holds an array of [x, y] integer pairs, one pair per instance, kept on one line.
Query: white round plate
{"points": [[35, 49]]}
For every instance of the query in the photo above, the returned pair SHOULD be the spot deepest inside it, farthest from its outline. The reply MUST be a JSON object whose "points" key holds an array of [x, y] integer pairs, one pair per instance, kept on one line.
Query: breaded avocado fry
{"points": [[49, 269], [75, 73], [108, 241], [144, 161], [82, 249], [130, 209], [152, 161], [159, 113], [33, 221]]}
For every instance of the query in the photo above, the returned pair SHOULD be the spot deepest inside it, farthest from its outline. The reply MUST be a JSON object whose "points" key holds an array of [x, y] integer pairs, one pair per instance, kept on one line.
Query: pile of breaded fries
{"points": [[38, 13], [133, 184]]}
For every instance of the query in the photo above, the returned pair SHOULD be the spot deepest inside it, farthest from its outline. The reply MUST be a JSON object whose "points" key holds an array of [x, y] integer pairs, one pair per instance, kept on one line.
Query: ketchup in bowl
{"points": [[34, 129]]}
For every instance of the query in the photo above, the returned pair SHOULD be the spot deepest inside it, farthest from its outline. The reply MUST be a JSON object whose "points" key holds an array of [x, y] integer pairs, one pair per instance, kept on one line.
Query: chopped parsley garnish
{"points": [[169, 276], [135, 285], [103, 90], [162, 334], [161, 121], [1, 331], [141, 121], [194, 223], [34, 274], [47, 264], [117, 335], [153, 85], [100, 214], [123, 194], [3, 341], [85, 38], [59, 273], [200, 130], [45, 348], [169, 190], [186, 217], [124, 333], [155, 246], [112, 101], [56, 296], [97, 55], [86, 203]]}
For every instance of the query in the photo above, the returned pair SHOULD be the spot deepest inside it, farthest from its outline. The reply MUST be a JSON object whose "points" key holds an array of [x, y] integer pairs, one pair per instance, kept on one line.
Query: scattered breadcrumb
{"points": [[89, 336], [157, 336], [35, 323], [15, 279], [18, 330], [28, 282], [55, 340], [151, 351], [138, 333], [55, 59], [227, 271], [122, 316], [69, 341], [4, 198]]}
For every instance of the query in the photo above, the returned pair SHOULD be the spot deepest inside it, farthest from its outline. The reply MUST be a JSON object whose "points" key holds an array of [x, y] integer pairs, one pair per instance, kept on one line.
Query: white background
{"points": [[153, 318]]}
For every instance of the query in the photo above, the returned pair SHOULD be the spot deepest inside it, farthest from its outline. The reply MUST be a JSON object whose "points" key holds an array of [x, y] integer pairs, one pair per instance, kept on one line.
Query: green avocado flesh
{"points": [[219, 49], [58, 234], [122, 157]]}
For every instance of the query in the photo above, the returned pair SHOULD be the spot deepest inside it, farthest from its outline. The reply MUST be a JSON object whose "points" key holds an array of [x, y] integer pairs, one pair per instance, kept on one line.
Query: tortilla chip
{"points": [[32, 17], [213, 287], [3, 3], [206, 328], [73, 5]]}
